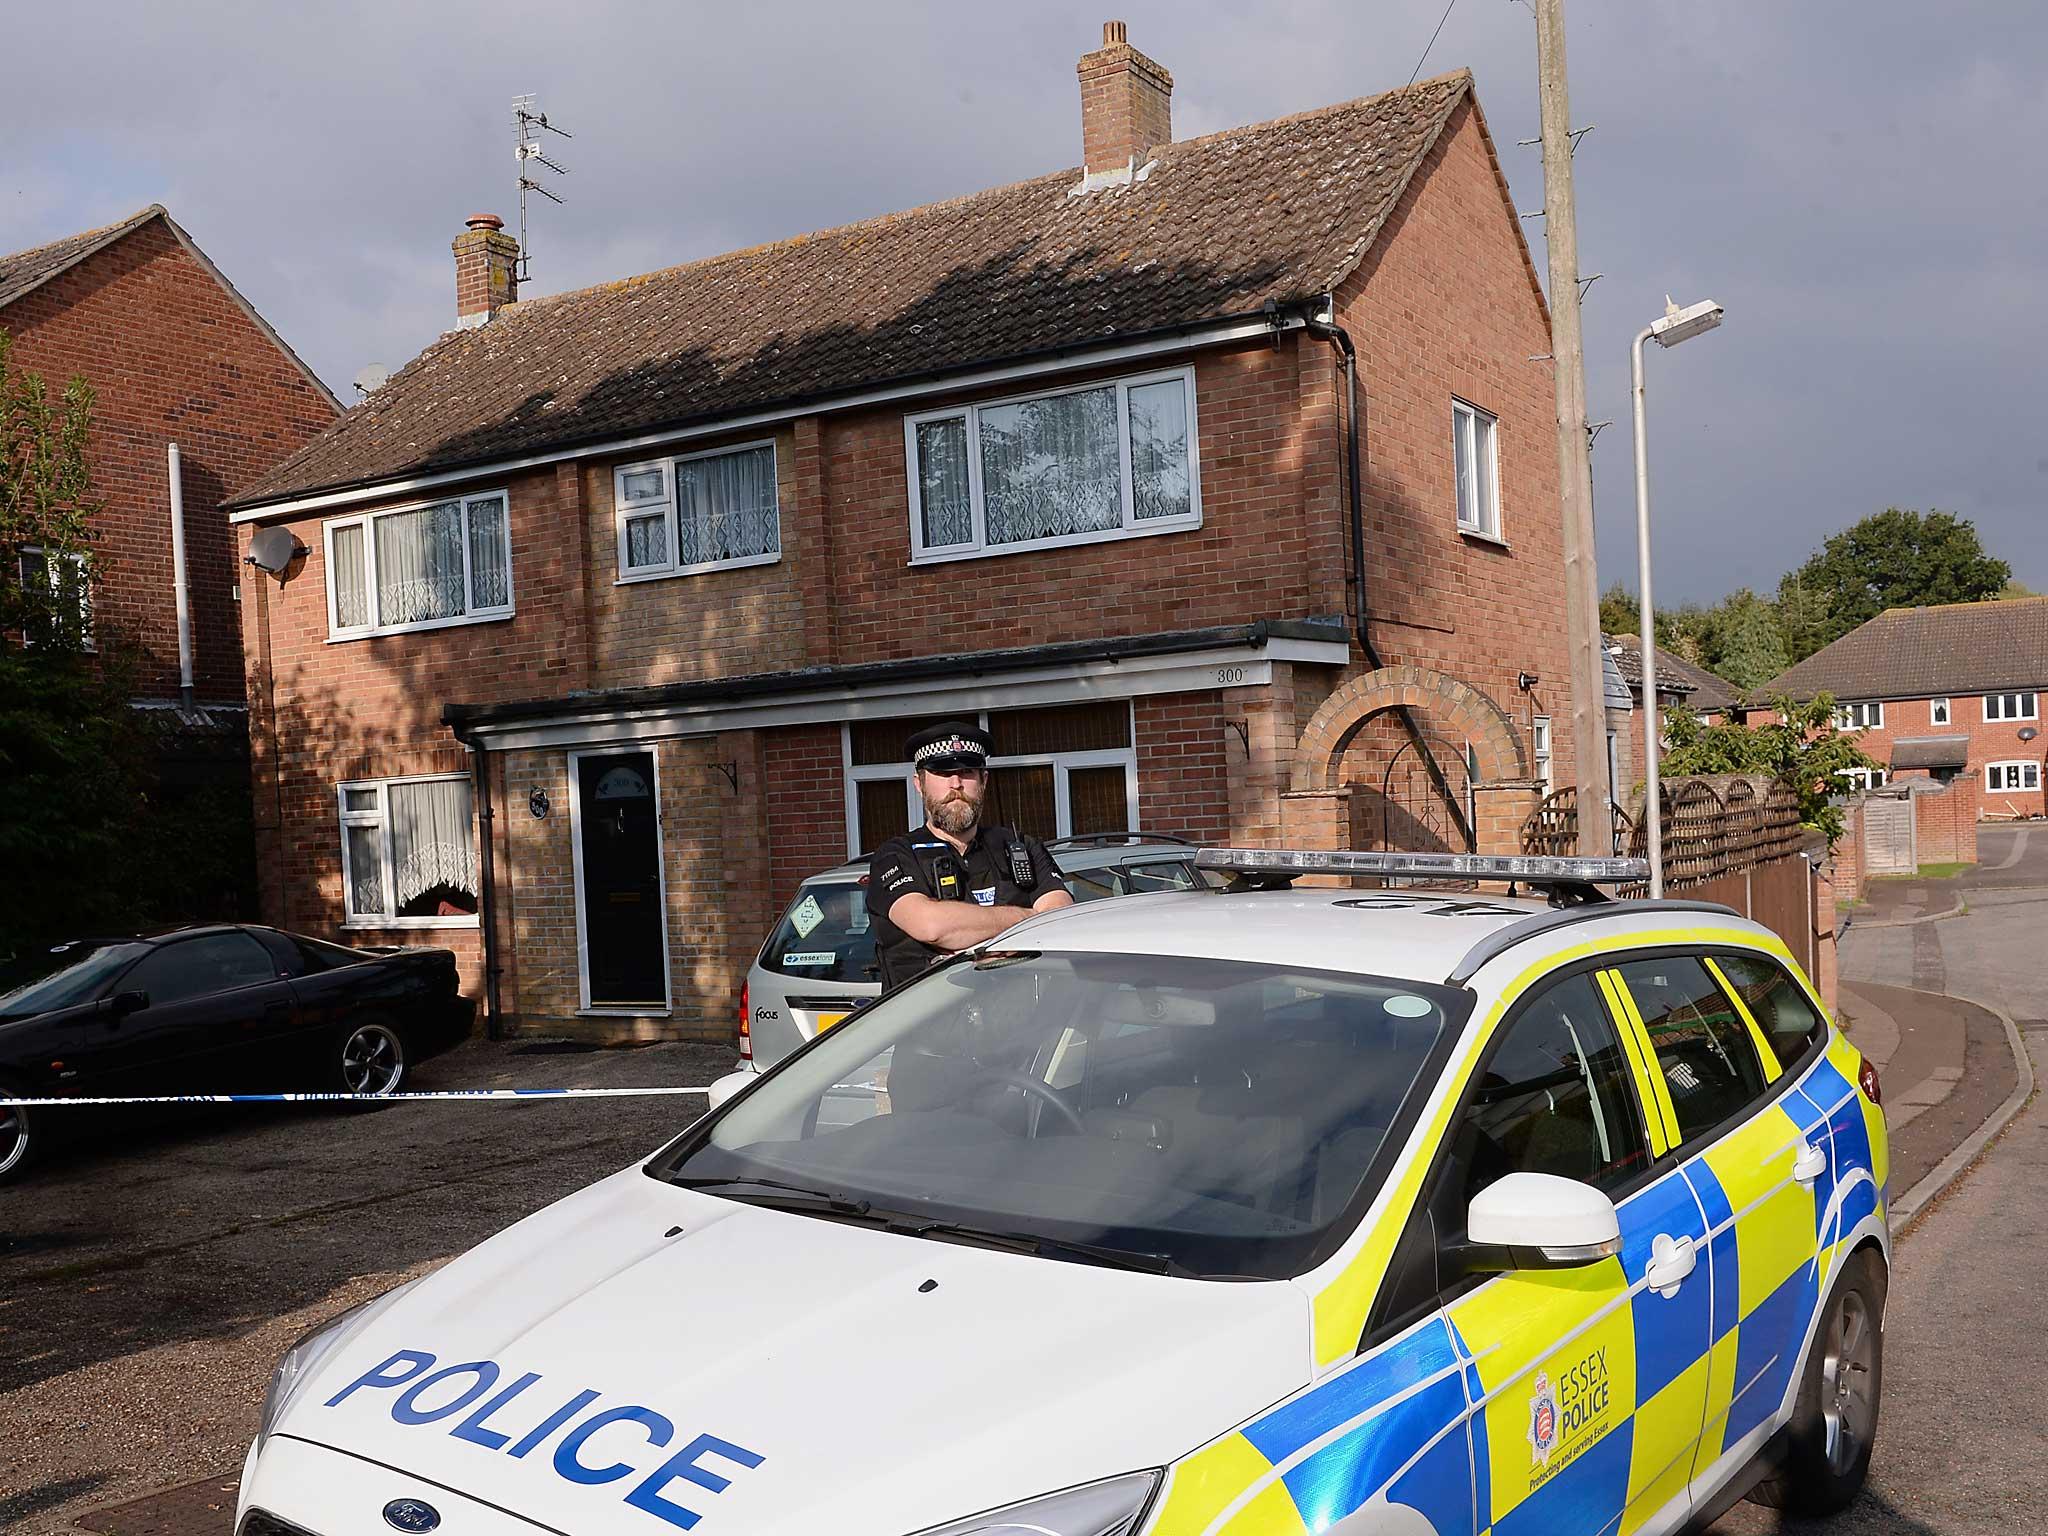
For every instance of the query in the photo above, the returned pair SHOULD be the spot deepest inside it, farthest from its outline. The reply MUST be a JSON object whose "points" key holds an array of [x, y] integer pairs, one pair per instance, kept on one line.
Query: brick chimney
{"points": [[486, 269], [1126, 110]]}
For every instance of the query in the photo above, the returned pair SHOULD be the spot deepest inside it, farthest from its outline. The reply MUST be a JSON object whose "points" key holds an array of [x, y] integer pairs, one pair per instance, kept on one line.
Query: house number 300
{"points": [[1230, 677]]}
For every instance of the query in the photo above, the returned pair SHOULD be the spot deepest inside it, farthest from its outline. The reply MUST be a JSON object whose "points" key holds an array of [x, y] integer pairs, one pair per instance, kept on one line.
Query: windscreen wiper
{"points": [[1043, 1247], [819, 1199]]}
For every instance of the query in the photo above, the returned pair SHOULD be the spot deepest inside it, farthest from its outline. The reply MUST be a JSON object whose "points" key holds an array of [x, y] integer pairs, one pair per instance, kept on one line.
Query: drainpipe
{"points": [[487, 904], [1340, 338], [178, 579]]}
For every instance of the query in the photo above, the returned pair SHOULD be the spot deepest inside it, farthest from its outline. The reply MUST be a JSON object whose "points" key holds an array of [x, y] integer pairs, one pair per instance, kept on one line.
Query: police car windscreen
{"points": [[1227, 1116], [825, 936]]}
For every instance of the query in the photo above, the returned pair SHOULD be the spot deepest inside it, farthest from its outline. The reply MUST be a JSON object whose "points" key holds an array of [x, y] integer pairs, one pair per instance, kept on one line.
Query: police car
{"points": [[1294, 1210], [818, 964]]}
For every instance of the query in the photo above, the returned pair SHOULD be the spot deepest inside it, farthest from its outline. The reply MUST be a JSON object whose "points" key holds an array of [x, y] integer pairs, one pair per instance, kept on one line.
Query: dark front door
{"points": [[622, 918]]}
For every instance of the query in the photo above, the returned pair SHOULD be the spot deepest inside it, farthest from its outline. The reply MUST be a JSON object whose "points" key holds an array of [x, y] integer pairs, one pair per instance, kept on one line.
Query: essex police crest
{"points": [[1542, 1419]]}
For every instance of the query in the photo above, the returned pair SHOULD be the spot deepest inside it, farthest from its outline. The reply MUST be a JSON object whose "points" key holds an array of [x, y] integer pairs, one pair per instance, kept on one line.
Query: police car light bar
{"points": [[1536, 869]]}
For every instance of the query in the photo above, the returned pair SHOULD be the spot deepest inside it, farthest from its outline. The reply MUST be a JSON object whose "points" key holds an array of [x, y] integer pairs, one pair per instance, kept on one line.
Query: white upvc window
{"points": [[1539, 741], [1864, 778], [68, 580], [2012, 706], [710, 511], [1859, 717], [419, 567], [1080, 465], [408, 852], [2007, 777], [1938, 712], [1475, 439]]}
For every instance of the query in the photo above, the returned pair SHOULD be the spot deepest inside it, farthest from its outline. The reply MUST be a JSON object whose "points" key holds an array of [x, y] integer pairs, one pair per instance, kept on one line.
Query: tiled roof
{"points": [[25, 271], [1221, 225], [1920, 653], [1704, 691], [1931, 752]]}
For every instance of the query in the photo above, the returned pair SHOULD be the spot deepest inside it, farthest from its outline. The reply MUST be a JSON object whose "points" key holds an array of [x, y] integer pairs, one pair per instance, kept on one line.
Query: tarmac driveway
{"points": [[148, 1286]]}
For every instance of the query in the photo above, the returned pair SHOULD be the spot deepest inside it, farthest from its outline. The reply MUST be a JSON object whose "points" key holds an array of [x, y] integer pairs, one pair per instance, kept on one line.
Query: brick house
{"points": [[650, 580], [176, 357], [1943, 692]]}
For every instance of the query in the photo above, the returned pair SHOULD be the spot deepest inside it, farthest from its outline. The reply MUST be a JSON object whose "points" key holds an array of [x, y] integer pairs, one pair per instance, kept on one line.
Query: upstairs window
{"points": [[70, 591], [1475, 440], [1937, 711], [699, 512], [1075, 466], [1859, 717], [2011, 706], [419, 568], [1539, 734]]}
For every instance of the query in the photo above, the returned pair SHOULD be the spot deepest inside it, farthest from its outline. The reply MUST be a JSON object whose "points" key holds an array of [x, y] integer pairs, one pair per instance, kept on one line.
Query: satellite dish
{"points": [[372, 379], [272, 549]]}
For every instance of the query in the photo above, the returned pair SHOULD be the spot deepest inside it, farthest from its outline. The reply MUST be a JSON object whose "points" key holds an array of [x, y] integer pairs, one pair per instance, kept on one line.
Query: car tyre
{"points": [[21, 1135], [1834, 1423], [368, 1057]]}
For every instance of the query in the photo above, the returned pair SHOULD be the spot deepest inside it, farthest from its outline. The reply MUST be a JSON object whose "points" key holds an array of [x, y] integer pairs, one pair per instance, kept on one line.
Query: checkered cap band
{"points": [[952, 746]]}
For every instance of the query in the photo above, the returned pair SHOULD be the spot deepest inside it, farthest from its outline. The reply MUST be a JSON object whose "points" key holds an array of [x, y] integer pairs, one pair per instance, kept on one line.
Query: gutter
{"points": [[1261, 325]]}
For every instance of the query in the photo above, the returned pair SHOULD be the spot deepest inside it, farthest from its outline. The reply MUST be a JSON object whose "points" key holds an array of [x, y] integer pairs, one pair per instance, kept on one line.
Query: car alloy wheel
{"points": [[1848, 1384], [14, 1136], [372, 1060]]}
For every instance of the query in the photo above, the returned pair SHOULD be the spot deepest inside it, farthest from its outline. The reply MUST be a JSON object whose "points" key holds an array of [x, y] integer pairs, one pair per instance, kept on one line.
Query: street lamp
{"points": [[1668, 330]]}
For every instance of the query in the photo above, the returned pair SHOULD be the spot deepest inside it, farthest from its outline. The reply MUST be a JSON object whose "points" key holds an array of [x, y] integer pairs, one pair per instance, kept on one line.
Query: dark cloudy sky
{"points": [[1863, 183]]}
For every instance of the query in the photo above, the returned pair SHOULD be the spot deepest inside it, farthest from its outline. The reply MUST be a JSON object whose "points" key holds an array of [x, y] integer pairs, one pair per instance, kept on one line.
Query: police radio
{"points": [[1020, 865]]}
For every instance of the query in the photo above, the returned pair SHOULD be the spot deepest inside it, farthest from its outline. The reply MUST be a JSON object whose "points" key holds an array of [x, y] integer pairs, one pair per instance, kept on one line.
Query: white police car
{"points": [[1197, 1215]]}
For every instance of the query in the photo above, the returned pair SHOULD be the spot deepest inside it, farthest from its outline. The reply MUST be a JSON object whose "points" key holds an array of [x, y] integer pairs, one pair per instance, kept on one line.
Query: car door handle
{"points": [[1671, 1260], [1811, 1163]]}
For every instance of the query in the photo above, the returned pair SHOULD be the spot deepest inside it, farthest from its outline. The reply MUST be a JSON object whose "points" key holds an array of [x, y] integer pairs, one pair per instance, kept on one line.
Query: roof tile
{"points": [[1920, 653], [1221, 225]]}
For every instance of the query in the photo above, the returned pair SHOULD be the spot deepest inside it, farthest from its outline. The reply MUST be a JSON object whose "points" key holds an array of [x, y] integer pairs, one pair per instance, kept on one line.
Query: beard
{"points": [[955, 814]]}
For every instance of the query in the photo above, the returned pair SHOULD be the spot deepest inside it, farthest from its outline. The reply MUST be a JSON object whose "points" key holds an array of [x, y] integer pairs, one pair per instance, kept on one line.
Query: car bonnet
{"points": [[638, 1348]]}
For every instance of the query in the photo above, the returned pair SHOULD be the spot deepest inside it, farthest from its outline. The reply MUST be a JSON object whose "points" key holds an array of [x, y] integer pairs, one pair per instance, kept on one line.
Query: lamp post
{"points": [[1668, 330]]}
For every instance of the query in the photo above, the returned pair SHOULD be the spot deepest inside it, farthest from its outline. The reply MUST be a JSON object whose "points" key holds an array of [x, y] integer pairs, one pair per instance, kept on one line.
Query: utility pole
{"points": [[1574, 451]]}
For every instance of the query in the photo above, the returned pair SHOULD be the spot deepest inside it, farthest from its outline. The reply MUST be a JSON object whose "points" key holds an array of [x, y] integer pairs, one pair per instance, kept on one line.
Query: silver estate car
{"points": [[819, 964]]}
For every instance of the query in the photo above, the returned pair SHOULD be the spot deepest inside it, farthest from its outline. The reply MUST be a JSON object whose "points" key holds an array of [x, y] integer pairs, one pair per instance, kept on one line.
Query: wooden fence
{"points": [[1728, 837]]}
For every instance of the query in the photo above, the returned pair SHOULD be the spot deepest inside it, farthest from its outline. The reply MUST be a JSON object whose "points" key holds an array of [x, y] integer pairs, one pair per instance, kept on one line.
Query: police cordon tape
{"points": [[466, 1094]]}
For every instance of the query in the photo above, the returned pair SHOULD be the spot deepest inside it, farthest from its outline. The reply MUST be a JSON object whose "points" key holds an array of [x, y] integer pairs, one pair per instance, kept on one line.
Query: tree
{"points": [[1747, 648], [1896, 559], [70, 746], [1620, 614], [1802, 749], [2014, 590]]}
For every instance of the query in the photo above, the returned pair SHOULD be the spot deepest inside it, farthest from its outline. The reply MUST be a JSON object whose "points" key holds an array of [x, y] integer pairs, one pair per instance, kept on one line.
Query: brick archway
{"points": [[1496, 744]]}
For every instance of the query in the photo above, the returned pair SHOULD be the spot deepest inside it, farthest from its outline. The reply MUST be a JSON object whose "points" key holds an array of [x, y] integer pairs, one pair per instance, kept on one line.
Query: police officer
{"points": [[953, 883]]}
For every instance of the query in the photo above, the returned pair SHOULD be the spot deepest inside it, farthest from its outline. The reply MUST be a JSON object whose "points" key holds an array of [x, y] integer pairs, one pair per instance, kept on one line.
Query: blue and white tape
{"points": [[463, 1094]]}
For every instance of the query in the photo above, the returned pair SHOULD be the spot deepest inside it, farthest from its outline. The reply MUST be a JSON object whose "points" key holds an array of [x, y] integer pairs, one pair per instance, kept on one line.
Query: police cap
{"points": [[948, 747]]}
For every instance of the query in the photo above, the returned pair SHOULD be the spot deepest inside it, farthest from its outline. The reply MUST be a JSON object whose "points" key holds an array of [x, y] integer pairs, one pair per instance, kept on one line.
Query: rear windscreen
{"points": [[825, 936]]}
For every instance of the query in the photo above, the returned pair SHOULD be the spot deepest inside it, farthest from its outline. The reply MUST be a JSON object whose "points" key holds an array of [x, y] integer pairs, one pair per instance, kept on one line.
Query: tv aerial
{"points": [[531, 123]]}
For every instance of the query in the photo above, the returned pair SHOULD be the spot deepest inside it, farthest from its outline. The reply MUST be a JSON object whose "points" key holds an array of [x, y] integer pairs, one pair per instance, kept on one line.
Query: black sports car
{"points": [[214, 1009]]}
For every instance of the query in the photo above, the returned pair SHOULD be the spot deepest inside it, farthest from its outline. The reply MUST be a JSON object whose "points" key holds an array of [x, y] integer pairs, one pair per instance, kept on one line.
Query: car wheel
{"points": [[369, 1060], [20, 1135], [1834, 1423]]}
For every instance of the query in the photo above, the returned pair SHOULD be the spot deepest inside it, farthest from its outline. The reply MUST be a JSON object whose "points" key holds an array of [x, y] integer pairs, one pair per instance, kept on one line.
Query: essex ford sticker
{"points": [[571, 1424], [1567, 1416]]}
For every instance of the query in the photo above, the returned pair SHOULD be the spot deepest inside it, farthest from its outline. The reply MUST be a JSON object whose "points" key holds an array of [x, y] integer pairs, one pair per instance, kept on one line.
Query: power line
{"points": [[1432, 42]]}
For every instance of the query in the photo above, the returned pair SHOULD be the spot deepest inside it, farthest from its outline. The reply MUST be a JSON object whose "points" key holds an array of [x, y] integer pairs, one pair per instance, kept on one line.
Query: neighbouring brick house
{"points": [[175, 357], [650, 580], [1942, 692]]}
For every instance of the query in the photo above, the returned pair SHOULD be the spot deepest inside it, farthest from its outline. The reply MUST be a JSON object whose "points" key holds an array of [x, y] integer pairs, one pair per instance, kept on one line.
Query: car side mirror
{"points": [[1536, 1221], [121, 1004]]}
